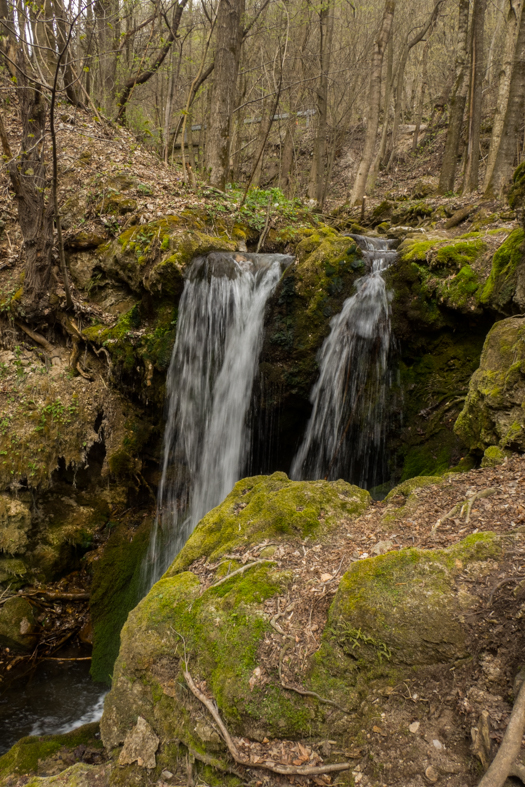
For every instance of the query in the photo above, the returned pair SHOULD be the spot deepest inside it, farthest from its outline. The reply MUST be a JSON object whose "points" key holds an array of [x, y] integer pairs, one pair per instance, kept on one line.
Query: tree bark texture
{"points": [[457, 104], [28, 178], [229, 36], [374, 102], [317, 170], [513, 24], [477, 71], [506, 158]]}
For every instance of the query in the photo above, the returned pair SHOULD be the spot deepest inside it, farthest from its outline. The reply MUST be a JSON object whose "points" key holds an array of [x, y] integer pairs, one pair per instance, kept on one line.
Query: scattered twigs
{"points": [[241, 760], [505, 760], [238, 571], [464, 506]]}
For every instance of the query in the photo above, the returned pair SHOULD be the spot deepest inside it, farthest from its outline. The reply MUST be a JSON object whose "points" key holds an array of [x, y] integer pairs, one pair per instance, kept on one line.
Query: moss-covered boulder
{"points": [[391, 616], [17, 624], [494, 411], [154, 256], [224, 626]]}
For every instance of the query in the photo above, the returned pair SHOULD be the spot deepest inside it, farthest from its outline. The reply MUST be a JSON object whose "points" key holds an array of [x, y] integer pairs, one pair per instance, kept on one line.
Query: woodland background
{"points": [[318, 98]]}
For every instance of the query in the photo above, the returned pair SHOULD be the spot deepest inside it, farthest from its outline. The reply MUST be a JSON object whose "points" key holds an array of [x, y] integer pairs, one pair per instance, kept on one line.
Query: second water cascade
{"points": [[345, 436], [209, 385]]}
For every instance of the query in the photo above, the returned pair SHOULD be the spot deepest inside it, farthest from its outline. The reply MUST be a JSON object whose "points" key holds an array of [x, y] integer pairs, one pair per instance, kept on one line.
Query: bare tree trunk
{"points": [[8, 36], [68, 79], [458, 101], [477, 69], [34, 215], [326, 26], [374, 102], [508, 151], [264, 128], [227, 57], [515, 12], [420, 100], [297, 73]]}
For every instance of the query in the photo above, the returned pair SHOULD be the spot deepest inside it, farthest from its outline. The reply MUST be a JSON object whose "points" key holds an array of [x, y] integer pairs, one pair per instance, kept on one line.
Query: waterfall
{"points": [[208, 387], [345, 436]]}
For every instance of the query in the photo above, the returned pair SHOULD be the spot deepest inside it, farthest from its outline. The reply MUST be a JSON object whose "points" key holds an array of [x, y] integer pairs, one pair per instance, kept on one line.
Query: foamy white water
{"points": [[345, 434], [209, 385]]}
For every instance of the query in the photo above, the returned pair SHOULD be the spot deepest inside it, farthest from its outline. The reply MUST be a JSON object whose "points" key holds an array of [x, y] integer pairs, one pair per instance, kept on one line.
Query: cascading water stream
{"points": [[345, 436], [209, 385]]}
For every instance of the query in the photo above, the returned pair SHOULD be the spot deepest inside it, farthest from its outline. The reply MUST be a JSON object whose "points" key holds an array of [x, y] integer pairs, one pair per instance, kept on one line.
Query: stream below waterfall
{"points": [[55, 698]]}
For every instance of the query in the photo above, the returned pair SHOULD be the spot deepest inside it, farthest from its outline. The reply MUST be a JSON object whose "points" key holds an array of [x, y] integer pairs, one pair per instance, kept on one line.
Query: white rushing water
{"points": [[209, 385], [345, 434]]}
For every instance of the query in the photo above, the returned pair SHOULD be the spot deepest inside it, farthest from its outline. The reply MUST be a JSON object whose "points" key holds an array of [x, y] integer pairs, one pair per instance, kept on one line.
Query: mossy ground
{"points": [[30, 754]]}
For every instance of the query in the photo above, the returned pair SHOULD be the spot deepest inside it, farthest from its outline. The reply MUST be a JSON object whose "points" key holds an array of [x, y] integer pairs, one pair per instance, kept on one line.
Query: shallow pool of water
{"points": [[56, 698]]}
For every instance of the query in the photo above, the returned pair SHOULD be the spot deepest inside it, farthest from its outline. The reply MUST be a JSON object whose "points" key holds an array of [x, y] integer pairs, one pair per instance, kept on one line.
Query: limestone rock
{"points": [[15, 522], [140, 746], [17, 624], [493, 414]]}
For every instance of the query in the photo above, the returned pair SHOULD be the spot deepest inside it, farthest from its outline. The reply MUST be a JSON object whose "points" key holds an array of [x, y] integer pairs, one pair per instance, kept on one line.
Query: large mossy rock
{"points": [[494, 412], [392, 615]]}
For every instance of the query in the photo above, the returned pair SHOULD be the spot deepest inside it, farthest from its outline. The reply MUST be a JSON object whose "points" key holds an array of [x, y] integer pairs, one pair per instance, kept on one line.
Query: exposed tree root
{"points": [[286, 770], [504, 762], [47, 346], [238, 571], [465, 506]]}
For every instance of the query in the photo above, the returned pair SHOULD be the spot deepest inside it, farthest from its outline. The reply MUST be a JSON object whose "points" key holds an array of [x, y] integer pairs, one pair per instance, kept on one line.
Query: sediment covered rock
{"points": [[494, 413]]}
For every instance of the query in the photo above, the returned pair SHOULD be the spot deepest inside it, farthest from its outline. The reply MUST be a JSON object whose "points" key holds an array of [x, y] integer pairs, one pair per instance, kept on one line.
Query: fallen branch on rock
{"points": [[505, 762], [286, 770]]}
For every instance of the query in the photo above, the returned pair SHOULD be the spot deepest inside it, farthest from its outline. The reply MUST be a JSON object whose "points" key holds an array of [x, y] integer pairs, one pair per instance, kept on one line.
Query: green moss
{"points": [[460, 291], [115, 590], [459, 254], [403, 604], [23, 758], [516, 195], [500, 287], [271, 507], [406, 488], [494, 456]]}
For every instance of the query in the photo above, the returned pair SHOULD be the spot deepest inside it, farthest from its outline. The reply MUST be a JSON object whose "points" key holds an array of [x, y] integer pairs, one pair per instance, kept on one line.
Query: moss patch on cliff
{"points": [[500, 288], [115, 591], [493, 413]]}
